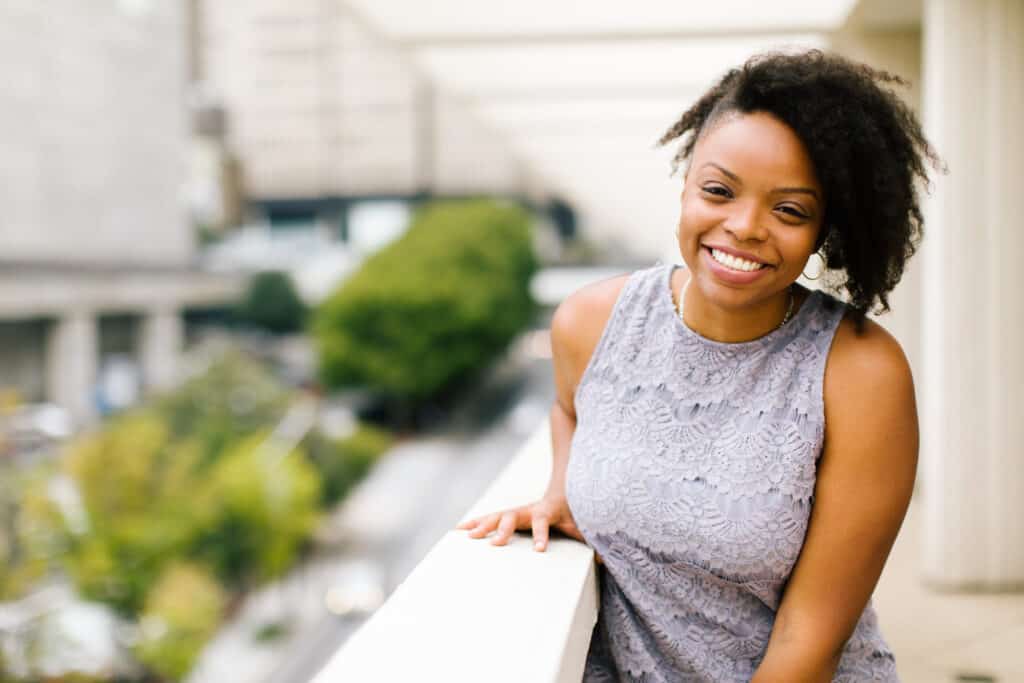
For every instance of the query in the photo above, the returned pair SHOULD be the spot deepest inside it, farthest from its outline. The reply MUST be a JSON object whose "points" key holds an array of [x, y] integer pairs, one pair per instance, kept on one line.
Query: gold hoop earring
{"points": [[824, 266]]}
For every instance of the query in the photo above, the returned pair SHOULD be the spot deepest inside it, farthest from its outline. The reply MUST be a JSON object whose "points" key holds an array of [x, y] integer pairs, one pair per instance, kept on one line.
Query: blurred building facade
{"points": [[96, 266], [327, 117]]}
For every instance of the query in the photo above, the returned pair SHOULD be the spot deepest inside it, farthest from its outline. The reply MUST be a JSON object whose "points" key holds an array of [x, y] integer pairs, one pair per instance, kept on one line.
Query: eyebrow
{"points": [[777, 190]]}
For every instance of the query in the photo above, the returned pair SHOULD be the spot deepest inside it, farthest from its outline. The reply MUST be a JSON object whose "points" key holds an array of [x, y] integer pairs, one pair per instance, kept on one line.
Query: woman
{"points": [[740, 539]]}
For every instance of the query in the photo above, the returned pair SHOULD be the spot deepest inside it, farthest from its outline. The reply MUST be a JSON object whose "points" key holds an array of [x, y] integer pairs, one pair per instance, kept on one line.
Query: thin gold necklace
{"points": [[785, 319]]}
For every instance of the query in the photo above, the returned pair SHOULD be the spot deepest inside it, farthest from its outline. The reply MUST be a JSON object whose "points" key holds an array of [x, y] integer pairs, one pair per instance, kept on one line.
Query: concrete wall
{"points": [[92, 131], [319, 105]]}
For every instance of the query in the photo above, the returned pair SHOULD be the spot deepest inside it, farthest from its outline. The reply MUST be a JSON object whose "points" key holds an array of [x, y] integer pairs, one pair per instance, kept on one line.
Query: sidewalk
{"points": [[938, 637]]}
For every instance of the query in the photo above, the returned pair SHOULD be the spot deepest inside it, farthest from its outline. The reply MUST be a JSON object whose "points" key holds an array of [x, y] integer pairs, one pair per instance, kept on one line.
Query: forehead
{"points": [[756, 147]]}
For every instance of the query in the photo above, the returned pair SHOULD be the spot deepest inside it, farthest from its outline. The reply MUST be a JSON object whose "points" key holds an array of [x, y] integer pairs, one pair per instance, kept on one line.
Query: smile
{"points": [[734, 262]]}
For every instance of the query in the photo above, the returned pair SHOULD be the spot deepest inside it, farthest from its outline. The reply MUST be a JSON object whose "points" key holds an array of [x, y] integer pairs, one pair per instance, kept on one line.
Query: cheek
{"points": [[694, 219], [798, 249]]}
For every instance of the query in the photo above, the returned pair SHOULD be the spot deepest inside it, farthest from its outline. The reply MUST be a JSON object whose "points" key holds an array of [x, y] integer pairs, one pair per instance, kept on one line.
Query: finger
{"points": [[540, 532], [506, 528], [485, 526], [569, 528], [468, 523]]}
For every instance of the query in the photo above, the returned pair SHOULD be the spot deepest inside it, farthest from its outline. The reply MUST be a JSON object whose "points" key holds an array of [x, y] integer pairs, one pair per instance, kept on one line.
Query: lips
{"points": [[737, 253], [729, 275]]}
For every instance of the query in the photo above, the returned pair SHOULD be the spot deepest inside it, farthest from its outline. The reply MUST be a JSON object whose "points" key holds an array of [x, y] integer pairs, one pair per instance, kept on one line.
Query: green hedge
{"points": [[434, 306], [271, 303]]}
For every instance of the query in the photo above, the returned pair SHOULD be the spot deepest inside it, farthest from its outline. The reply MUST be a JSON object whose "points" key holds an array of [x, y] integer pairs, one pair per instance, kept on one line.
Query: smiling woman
{"points": [[741, 453]]}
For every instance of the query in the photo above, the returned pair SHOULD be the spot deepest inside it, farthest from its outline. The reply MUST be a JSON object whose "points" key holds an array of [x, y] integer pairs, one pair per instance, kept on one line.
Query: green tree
{"points": [[435, 306], [271, 302], [26, 517], [234, 397], [266, 507], [137, 495], [182, 612]]}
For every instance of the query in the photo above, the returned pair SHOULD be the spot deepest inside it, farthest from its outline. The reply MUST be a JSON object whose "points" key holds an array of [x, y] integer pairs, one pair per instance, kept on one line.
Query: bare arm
{"points": [[566, 362], [576, 327], [864, 484]]}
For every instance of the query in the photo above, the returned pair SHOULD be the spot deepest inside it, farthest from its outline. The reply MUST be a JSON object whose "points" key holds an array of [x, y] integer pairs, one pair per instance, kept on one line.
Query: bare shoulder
{"points": [[873, 354], [866, 371], [576, 327]]}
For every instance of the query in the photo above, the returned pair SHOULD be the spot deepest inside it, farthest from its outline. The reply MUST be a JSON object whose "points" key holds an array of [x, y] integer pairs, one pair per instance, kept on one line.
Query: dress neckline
{"points": [[750, 343]]}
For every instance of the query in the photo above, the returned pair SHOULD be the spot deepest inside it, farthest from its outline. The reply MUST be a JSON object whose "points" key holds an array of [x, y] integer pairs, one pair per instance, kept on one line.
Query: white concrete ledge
{"points": [[471, 611]]}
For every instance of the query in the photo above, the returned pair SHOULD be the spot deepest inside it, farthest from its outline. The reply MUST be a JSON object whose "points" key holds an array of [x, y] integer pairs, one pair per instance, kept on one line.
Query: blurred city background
{"points": [[276, 277]]}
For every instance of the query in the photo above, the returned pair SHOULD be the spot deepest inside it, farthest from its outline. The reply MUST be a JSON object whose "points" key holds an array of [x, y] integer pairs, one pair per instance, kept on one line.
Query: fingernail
{"points": [[538, 546]]}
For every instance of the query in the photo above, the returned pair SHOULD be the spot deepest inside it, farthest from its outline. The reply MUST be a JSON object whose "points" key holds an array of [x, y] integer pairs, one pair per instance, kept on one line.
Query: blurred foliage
{"points": [[434, 306], [271, 631], [234, 397], [148, 501], [343, 462], [166, 512], [271, 303], [25, 548], [266, 506], [181, 613], [207, 235], [139, 494]]}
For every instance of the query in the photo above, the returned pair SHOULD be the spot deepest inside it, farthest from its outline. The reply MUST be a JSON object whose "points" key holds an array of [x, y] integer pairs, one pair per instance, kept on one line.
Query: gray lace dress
{"points": [[691, 472]]}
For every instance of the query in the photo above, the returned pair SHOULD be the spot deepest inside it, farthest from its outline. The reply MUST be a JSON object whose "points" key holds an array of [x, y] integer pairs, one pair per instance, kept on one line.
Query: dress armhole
{"points": [[835, 314], [606, 335]]}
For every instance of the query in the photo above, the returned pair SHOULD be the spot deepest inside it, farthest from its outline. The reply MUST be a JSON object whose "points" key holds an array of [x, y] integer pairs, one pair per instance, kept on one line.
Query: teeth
{"points": [[735, 263]]}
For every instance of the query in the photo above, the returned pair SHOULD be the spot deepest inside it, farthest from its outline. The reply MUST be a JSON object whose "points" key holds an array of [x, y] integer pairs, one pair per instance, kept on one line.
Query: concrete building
{"points": [[96, 260], [327, 117]]}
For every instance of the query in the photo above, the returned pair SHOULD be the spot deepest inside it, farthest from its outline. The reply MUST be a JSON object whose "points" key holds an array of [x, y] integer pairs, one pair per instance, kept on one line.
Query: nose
{"points": [[745, 222]]}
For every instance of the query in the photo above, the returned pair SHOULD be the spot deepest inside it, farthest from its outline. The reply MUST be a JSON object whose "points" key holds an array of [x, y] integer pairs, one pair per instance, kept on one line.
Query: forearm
{"points": [[795, 657], [794, 666], [562, 428]]}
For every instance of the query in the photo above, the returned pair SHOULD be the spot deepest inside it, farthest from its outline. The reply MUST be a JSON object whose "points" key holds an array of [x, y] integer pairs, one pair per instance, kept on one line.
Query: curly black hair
{"points": [[867, 148]]}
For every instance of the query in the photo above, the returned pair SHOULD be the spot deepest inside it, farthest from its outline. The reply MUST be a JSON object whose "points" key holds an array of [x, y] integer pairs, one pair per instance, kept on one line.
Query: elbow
{"points": [[796, 671], [798, 662]]}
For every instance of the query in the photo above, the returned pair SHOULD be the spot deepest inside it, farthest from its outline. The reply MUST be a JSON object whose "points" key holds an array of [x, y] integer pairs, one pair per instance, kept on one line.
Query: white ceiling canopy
{"points": [[473, 20], [582, 90], [615, 66]]}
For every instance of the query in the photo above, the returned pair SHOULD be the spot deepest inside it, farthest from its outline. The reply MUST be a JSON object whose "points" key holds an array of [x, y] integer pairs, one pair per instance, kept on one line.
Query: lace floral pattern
{"points": [[691, 473]]}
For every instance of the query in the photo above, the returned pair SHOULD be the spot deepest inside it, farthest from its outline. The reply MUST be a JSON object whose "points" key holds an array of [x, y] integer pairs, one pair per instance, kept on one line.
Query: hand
{"points": [[549, 511]]}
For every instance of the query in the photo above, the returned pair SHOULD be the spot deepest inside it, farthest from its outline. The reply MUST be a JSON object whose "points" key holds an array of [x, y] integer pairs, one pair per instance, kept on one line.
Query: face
{"points": [[750, 190]]}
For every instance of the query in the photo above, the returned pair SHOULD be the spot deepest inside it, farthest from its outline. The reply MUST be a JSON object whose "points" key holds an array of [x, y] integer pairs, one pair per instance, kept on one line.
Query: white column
{"points": [[163, 333], [973, 326], [72, 350]]}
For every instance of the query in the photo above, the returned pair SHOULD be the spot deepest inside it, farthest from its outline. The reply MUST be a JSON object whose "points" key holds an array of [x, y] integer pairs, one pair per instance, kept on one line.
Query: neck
{"points": [[735, 325]]}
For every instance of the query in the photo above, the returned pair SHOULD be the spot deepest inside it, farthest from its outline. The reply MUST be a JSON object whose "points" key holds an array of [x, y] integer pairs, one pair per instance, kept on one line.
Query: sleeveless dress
{"points": [[691, 472]]}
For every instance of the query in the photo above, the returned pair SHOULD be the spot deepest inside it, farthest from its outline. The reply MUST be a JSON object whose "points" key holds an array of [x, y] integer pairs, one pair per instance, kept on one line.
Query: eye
{"points": [[717, 190], [793, 211]]}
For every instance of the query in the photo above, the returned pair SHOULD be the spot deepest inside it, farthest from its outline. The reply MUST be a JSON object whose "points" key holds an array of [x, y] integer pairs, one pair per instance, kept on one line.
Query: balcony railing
{"points": [[471, 611]]}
